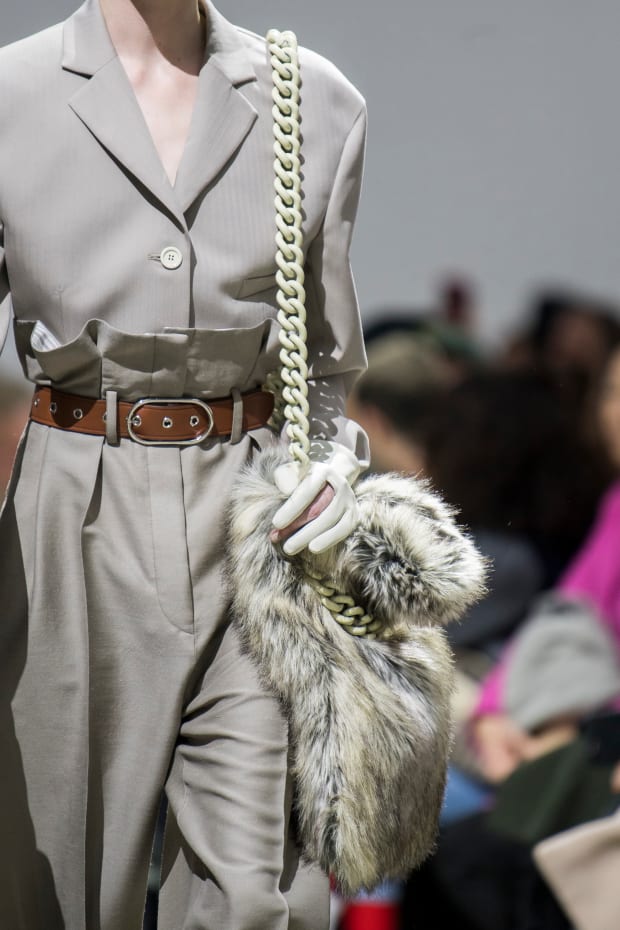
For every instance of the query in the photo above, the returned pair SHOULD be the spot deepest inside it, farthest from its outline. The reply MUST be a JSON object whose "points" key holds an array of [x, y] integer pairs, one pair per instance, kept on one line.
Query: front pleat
{"points": [[169, 535]]}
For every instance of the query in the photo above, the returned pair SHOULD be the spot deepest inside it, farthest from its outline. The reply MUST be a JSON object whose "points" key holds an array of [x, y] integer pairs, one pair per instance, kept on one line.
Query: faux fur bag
{"points": [[369, 719]]}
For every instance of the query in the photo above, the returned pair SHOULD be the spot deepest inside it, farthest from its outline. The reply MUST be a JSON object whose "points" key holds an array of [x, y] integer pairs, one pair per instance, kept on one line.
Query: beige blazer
{"points": [[87, 210]]}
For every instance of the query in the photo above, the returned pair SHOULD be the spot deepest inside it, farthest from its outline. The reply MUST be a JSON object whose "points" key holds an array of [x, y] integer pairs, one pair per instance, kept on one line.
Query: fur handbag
{"points": [[369, 713], [369, 718]]}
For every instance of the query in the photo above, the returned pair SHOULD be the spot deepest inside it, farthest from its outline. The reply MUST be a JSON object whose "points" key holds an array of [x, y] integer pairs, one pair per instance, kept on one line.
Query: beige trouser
{"points": [[119, 675]]}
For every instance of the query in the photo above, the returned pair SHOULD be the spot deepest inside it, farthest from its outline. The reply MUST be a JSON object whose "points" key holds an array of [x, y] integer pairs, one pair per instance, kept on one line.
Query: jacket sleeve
{"points": [[335, 342], [5, 298]]}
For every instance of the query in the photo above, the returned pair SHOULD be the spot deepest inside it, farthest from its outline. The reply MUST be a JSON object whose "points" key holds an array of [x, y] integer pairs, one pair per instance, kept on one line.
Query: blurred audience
{"points": [[593, 578], [392, 399], [547, 735], [501, 448], [569, 337], [504, 450]]}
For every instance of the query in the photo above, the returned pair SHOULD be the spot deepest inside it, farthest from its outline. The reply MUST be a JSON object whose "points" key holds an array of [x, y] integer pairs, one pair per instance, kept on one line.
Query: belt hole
{"points": [[137, 420], [78, 413], [167, 422], [37, 401], [53, 407], [194, 421]]}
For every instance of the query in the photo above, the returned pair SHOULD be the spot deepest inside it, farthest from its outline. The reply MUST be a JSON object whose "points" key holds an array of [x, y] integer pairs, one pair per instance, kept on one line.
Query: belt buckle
{"points": [[168, 401]]}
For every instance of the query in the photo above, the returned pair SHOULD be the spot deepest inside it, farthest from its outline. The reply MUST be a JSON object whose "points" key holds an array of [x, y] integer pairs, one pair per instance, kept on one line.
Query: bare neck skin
{"points": [[161, 46], [145, 31]]}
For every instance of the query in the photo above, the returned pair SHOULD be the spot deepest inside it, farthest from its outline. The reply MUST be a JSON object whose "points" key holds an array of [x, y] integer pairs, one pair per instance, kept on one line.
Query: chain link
{"points": [[290, 386], [289, 240]]}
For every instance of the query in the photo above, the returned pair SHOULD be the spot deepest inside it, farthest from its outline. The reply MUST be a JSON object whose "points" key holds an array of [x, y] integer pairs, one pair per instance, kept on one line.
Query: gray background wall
{"points": [[494, 138]]}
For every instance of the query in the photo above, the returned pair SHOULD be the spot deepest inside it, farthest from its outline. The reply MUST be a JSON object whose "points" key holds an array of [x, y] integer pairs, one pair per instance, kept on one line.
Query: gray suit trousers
{"points": [[121, 676]]}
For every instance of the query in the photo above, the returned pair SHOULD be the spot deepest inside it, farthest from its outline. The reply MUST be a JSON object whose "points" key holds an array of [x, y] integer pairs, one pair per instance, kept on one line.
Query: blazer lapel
{"points": [[222, 117], [108, 107]]}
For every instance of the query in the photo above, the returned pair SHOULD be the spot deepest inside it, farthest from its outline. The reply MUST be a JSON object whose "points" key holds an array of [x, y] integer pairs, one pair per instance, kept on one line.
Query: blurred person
{"points": [[391, 399], [411, 357], [607, 411], [593, 575], [505, 453], [14, 407], [457, 304], [562, 682], [545, 720], [459, 349], [503, 450], [569, 337]]}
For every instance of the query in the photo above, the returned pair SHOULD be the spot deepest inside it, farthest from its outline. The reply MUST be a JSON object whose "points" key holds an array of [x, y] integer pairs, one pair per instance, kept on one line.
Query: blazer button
{"points": [[171, 258]]}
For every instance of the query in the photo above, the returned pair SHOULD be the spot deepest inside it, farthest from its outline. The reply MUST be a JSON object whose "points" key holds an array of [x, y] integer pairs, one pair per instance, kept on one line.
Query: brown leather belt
{"points": [[152, 421]]}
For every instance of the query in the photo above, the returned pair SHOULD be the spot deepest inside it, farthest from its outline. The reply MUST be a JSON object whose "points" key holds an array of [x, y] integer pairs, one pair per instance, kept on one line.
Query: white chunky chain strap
{"points": [[291, 386], [289, 241]]}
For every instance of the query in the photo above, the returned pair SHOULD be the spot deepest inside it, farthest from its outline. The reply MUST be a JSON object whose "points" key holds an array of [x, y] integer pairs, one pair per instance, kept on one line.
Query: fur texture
{"points": [[369, 720]]}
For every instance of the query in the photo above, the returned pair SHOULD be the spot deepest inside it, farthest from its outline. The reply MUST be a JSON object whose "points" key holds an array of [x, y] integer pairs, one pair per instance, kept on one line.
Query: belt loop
{"points": [[237, 417], [111, 418]]}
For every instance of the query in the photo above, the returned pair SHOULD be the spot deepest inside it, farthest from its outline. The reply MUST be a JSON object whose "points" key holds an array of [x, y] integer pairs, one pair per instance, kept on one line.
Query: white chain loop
{"points": [[291, 385], [343, 608]]}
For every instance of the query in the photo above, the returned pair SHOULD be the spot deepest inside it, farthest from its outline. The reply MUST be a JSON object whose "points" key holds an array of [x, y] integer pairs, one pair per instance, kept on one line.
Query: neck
{"points": [[144, 30]]}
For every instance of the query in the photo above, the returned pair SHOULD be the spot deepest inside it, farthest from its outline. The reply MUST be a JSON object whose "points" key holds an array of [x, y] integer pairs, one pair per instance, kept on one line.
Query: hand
{"points": [[500, 744], [318, 505], [552, 736], [321, 502]]}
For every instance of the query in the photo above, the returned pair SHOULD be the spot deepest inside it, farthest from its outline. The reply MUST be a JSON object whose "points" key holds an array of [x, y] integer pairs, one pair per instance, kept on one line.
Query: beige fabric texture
{"points": [[119, 671], [582, 867]]}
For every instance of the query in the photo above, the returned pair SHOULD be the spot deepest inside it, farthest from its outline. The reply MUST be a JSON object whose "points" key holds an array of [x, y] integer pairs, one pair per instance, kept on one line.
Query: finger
{"points": [[318, 505], [301, 498], [498, 764], [336, 533], [310, 531]]}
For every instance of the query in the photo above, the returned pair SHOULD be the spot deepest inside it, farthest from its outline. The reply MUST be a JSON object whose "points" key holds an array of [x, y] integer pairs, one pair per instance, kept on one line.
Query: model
{"points": [[136, 203]]}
